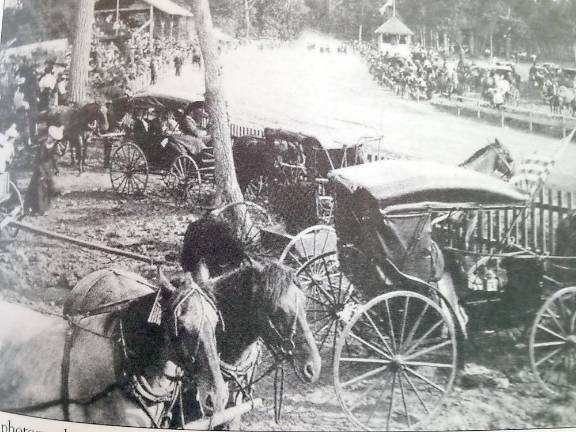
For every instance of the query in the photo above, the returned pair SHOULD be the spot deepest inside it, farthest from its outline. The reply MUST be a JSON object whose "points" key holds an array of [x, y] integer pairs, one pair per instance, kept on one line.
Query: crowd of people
{"points": [[428, 72]]}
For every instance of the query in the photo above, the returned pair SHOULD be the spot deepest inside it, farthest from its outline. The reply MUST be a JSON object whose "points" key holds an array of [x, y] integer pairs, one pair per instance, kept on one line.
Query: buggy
{"points": [[392, 308], [144, 147], [11, 204]]}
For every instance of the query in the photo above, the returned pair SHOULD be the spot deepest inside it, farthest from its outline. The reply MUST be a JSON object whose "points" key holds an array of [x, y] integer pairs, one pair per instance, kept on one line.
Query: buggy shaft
{"points": [[87, 245], [224, 416]]}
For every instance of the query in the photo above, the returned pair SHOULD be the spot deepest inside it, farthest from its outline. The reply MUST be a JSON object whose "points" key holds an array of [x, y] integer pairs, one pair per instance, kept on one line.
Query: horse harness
{"points": [[136, 386]]}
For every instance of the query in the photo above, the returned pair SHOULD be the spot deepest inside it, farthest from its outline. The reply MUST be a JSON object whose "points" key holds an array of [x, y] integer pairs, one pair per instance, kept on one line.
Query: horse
{"points": [[80, 125], [494, 159], [566, 99], [550, 94], [258, 301], [117, 363], [84, 123]]}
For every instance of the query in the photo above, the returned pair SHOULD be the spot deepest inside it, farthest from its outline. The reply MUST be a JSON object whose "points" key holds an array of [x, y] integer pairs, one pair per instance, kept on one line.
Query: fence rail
{"points": [[533, 228], [533, 121]]}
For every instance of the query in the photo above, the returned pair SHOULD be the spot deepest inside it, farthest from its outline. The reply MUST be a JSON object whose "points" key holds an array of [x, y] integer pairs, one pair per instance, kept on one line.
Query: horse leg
{"points": [[83, 150]]}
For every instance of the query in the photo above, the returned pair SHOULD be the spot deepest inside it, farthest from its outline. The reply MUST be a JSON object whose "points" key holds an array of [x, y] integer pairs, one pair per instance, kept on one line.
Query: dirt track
{"points": [[40, 272]]}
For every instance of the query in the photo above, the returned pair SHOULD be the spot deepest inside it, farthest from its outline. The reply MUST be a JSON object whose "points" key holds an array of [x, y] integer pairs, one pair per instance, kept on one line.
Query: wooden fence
{"points": [[532, 228], [533, 121]]}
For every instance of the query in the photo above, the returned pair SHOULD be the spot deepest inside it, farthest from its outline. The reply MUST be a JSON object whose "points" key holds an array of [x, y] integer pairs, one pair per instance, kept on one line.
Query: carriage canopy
{"points": [[384, 210], [158, 101], [428, 185]]}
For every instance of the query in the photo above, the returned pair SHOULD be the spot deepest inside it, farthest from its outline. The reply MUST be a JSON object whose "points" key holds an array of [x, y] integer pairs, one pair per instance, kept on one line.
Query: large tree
{"points": [[227, 189], [81, 51]]}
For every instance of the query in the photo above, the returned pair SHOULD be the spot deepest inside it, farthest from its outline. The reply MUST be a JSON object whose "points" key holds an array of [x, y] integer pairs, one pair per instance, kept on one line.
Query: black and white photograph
{"points": [[288, 214]]}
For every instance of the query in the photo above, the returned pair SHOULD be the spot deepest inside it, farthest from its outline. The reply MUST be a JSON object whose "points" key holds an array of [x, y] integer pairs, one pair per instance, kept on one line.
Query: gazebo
{"points": [[152, 17], [394, 37]]}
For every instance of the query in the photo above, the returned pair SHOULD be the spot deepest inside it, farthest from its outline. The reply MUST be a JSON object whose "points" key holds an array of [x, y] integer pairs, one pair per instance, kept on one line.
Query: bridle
{"points": [[503, 158]]}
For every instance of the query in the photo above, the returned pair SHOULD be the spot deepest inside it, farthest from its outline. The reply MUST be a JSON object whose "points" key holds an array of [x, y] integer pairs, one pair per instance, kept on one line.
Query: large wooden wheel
{"points": [[252, 219], [395, 362], [552, 342], [331, 299], [308, 244], [129, 170], [183, 179], [13, 206]]}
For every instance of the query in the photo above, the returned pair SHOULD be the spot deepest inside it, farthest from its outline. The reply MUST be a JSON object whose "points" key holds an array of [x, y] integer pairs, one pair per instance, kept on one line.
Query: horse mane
{"points": [[212, 240], [275, 280], [478, 153], [267, 281], [493, 145]]}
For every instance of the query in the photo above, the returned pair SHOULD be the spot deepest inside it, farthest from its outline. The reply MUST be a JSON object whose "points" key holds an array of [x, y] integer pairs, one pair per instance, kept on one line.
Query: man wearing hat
{"points": [[41, 188]]}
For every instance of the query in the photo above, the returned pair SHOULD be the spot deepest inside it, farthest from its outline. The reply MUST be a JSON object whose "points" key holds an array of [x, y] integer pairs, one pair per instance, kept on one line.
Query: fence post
{"points": [[563, 126], [502, 124], [478, 109], [530, 121]]}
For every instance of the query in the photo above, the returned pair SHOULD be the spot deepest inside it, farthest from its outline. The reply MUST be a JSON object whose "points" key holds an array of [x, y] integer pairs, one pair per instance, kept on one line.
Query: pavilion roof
{"points": [[394, 27]]}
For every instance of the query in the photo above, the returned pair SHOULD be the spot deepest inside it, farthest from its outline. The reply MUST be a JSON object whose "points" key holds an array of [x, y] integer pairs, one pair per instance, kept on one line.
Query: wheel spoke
{"points": [[549, 356], [416, 326], [423, 378], [372, 347], [375, 327], [366, 392], [413, 387], [391, 407], [404, 400], [428, 350], [421, 339], [364, 360], [364, 376], [553, 333], [429, 364]]}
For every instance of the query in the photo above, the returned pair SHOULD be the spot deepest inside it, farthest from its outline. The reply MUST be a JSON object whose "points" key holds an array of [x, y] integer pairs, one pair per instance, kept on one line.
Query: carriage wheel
{"points": [[331, 299], [310, 243], [14, 205], [183, 180], [395, 362], [552, 342], [253, 218], [129, 170]]}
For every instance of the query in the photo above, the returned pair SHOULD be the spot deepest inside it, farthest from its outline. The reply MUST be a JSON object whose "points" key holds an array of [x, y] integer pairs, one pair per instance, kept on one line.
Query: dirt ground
{"points": [[40, 272]]}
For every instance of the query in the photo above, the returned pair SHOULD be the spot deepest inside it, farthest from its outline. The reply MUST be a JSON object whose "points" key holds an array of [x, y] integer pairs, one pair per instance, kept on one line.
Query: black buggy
{"points": [[146, 145]]}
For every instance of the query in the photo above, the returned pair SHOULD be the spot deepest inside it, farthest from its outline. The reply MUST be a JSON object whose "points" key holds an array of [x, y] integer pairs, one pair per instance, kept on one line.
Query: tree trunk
{"points": [[227, 189], [472, 43], [247, 17], [81, 51], [574, 51]]}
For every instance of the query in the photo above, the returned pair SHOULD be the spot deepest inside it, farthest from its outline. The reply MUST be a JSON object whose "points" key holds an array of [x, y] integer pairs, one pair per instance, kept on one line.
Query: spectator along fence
{"points": [[508, 116]]}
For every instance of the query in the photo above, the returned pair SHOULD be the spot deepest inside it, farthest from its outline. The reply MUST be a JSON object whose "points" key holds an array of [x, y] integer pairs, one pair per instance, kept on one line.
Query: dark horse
{"points": [[118, 358], [256, 157], [80, 126], [258, 301]]}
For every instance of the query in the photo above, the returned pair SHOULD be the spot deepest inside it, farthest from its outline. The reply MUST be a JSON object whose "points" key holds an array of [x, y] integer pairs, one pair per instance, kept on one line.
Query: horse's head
{"points": [[97, 116], [282, 319], [191, 323], [493, 159]]}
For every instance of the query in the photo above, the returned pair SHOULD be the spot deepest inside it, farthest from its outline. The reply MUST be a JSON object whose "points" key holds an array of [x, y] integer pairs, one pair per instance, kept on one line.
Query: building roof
{"points": [[169, 7], [394, 27]]}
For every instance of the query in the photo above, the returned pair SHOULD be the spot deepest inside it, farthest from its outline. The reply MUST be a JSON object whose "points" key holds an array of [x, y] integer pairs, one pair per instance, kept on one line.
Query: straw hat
{"points": [[56, 133]]}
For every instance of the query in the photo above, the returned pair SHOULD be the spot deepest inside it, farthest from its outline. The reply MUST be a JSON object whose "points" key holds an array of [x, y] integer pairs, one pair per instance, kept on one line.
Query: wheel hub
{"points": [[571, 341]]}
